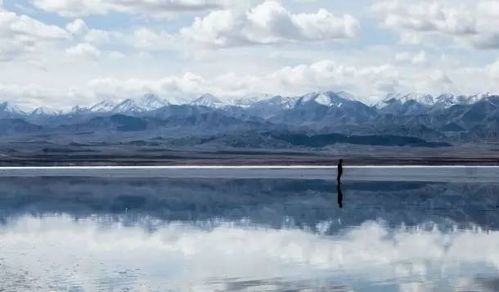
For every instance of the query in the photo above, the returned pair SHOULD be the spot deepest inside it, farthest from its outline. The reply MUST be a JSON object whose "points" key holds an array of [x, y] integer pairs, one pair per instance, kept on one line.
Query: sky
{"points": [[59, 53]]}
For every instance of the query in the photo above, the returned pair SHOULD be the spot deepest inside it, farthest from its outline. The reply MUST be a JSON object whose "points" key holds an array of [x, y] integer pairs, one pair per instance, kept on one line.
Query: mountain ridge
{"points": [[440, 119], [149, 102]]}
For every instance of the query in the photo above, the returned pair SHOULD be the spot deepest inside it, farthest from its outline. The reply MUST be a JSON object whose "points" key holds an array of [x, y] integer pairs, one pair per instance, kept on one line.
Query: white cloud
{"points": [[413, 58], [493, 70], [84, 50], [269, 23], [323, 75], [189, 255], [116, 55], [30, 96], [276, 47], [368, 83], [363, 81], [148, 8], [97, 36], [77, 27], [80, 31], [21, 34], [150, 40], [187, 84], [469, 23], [428, 16]]}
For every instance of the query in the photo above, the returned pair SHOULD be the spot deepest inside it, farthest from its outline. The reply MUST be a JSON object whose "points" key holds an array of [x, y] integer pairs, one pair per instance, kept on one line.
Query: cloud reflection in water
{"points": [[59, 252]]}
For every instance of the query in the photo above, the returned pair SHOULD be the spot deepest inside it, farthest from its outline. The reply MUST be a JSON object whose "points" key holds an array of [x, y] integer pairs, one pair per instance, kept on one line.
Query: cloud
{"points": [[269, 23], [187, 84], [487, 41], [77, 27], [189, 255], [322, 75], [80, 31], [412, 58], [468, 23], [84, 50], [29, 96], [148, 8], [363, 81], [368, 83], [150, 40], [493, 71], [21, 34], [427, 16]]}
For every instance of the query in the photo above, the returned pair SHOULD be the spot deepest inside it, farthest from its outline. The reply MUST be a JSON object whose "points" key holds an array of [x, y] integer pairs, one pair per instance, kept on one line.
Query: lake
{"points": [[247, 234]]}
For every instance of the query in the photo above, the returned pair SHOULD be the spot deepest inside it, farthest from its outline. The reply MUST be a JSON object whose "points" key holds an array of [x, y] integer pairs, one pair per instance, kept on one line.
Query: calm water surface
{"points": [[122, 234]]}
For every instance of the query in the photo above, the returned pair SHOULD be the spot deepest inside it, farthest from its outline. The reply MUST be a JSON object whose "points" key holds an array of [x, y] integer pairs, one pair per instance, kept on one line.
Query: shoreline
{"points": [[60, 154], [413, 173]]}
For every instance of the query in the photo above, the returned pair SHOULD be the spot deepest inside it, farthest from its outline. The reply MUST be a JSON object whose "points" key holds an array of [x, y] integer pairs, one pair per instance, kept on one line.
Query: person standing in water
{"points": [[340, 171]]}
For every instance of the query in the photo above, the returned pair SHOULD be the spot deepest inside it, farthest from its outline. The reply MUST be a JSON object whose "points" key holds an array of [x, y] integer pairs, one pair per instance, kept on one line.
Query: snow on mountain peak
{"points": [[441, 101], [79, 109], [326, 98], [45, 111], [208, 100], [248, 101], [103, 106], [285, 102], [10, 108], [345, 95], [425, 99], [144, 103]]}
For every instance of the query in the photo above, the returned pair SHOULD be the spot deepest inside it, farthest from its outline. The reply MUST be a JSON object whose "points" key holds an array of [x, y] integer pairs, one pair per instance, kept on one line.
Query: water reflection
{"points": [[96, 234], [61, 252], [340, 195], [273, 203]]}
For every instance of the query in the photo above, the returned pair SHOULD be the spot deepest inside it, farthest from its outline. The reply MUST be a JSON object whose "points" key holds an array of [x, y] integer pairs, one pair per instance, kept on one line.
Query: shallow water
{"points": [[152, 234]]}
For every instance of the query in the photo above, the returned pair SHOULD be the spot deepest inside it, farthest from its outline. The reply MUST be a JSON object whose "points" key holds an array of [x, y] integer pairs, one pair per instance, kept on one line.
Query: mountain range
{"points": [[317, 119]]}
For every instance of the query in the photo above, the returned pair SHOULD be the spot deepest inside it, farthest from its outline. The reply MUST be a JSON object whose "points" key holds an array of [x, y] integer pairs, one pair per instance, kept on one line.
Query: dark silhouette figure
{"points": [[340, 171], [340, 195]]}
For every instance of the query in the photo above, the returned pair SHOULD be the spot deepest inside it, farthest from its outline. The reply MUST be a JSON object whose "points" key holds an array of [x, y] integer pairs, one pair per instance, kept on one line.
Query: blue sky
{"points": [[59, 53]]}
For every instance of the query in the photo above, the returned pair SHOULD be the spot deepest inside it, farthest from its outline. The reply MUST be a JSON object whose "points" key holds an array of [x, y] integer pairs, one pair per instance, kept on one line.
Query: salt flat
{"points": [[372, 173]]}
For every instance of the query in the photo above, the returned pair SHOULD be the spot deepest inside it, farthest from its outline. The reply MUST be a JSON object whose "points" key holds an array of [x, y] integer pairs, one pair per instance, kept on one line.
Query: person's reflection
{"points": [[340, 195]]}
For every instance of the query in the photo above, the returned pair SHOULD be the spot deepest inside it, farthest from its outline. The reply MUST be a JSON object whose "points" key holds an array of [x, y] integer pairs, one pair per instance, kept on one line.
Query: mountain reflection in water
{"points": [[247, 235]]}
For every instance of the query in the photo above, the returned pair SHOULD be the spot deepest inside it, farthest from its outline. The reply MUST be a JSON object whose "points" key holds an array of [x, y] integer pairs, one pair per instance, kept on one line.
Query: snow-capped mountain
{"points": [[448, 100], [271, 106], [248, 101], [103, 106], [78, 110], [8, 109], [413, 115], [281, 102], [144, 103], [427, 100], [266, 106], [45, 111], [325, 109], [327, 98], [423, 99], [408, 106], [208, 100]]}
